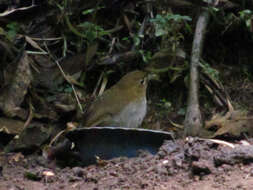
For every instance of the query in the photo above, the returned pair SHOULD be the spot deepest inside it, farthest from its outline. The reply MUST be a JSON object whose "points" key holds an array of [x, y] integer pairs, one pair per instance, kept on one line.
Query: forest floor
{"points": [[190, 164]]}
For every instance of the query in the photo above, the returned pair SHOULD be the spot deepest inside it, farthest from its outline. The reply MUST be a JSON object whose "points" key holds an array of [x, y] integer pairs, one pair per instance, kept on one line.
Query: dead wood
{"points": [[116, 58], [13, 95]]}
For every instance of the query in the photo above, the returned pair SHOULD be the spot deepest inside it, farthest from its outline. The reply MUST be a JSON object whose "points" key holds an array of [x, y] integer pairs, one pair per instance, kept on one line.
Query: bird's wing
{"points": [[104, 107], [92, 122]]}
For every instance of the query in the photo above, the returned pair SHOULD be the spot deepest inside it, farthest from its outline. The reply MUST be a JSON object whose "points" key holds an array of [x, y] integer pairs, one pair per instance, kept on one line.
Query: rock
{"points": [[202, 167], [30, 139]]}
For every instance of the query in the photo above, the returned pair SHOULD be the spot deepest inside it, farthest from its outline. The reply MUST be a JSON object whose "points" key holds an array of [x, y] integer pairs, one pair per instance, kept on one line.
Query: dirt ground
{"points": [[192, 164]]}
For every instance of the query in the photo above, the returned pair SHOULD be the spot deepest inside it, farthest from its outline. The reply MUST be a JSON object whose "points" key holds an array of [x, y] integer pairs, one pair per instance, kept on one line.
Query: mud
{"points": [[192, 164]]}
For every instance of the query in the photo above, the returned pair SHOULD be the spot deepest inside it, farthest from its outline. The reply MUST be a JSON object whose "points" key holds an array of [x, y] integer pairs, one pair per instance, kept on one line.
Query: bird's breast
{"points": [[132, 114]]}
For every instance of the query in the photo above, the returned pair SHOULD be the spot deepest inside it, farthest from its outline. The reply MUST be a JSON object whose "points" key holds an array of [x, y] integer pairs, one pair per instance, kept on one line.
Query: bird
{"points": [[122, 105]]}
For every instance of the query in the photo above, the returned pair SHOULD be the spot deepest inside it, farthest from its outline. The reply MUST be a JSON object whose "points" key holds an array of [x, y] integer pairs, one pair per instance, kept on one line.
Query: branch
{"points": [[193, 120], [113, 59]]}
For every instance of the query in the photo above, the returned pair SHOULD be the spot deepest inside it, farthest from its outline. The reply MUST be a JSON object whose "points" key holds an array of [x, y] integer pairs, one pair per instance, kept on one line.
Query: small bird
{"points": [[124, 104]]}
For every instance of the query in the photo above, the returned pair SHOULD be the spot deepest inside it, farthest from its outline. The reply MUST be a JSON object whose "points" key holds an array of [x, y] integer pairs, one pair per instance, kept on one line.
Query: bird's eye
{"points": [[143, 81]]}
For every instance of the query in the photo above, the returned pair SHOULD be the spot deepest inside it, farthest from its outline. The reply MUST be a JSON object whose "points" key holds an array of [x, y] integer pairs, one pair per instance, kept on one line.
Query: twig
{"points": [[77, 99], [120, 57], [141, 30], [98, 83], [65, 77], [30, 117], [56, 137], [103, 85], [176, 125], [7, 12], [72, 86], [221, 142], [112, 45]]}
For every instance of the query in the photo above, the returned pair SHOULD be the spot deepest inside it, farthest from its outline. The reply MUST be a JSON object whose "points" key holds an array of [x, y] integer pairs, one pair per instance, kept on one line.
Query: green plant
{"points": [[88, 31], [209, 70], [10, 31], [146, 55], [167, 26], [137, 40], [165, 105], [181, 111], [89, 11], [92, 31], [247, 73], [65, 88], [246, 16]]}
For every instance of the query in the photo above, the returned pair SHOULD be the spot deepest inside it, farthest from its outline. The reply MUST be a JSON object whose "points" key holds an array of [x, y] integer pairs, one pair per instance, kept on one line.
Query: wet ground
{"points": [[191, 164]]}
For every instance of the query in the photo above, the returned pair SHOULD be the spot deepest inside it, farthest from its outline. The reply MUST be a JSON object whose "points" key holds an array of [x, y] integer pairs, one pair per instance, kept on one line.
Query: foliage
{"points": [[209, 70], [13, 28], [10, 31], [181, 111], [89, 11], [89, 31], [146, 55], [166, 26], [81, 26], [165, 106], [65, 88], [246, 16], [92, 31], [169, 27]]}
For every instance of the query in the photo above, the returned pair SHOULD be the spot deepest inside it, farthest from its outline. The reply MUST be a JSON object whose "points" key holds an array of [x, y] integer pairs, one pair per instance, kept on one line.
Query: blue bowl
{"points": [[111, 142]]}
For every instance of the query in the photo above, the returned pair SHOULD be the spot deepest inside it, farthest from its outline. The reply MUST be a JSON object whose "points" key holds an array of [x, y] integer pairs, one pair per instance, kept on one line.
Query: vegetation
{"points": [[58, 55]]}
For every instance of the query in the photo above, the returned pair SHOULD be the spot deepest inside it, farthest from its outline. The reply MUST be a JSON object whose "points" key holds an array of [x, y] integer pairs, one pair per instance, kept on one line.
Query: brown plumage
{"points": [[124, 104]]}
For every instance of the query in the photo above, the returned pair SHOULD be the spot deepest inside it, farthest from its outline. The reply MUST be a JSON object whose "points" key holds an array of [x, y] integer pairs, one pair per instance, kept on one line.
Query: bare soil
{"points": [[192, 164]]}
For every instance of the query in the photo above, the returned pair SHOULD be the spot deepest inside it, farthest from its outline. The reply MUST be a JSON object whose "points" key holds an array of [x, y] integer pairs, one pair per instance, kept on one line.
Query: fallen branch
{"points": [[113, 59]]}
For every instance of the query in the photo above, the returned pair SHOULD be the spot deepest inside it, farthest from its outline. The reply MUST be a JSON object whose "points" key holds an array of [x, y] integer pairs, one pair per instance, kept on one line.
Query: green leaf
{"points": [[137, 40], [2, 31], [181, 111], [248, 23], [11, 34], [12, 29], [68, 89], [88, 11], [13, 26], [125, 39]]}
